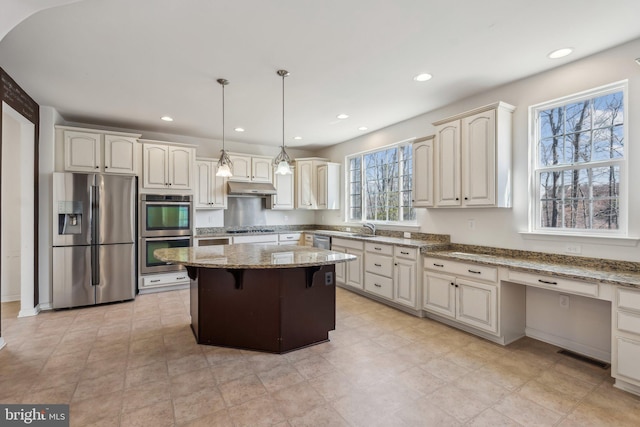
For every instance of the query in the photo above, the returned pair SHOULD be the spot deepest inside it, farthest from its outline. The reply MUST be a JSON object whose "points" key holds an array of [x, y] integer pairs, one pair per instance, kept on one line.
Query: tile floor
{"points": [[137, 364]]}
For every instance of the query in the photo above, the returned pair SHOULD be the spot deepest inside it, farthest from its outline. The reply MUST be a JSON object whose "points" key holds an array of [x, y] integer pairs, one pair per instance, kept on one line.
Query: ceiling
{"points": [[126, 63]]}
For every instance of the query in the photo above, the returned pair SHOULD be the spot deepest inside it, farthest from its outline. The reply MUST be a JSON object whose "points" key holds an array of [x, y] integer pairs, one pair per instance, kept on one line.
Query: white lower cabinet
{"points": [[349, 273], [625, 346], [473, 298]]}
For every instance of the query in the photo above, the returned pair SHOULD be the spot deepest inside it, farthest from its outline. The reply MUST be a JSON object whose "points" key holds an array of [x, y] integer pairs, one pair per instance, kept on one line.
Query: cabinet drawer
{"points": [[269, 238], [377, 248], [165, 279], [472, 271], [555, 283], [289, 237], [629, 300], [347, 243], [628, 322], [408, 253], [378, 264], [379, 285]]}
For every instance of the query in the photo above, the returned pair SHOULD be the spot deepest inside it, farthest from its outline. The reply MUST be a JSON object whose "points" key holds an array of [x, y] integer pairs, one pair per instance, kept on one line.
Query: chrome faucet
{"points": [[370, 226]]}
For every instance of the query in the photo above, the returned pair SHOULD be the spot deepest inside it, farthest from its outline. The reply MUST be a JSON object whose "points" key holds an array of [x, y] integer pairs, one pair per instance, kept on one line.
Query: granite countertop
{"points": [[604, 274], [252, 256], [423, 245]]}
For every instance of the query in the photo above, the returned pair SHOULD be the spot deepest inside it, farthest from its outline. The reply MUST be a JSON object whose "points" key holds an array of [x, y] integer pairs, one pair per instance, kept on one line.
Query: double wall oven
{"points": [[165, 222]]}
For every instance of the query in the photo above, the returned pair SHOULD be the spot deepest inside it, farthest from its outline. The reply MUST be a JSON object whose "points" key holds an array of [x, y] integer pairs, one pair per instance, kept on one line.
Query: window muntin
{"points": [[579, 163], [379, 185]]}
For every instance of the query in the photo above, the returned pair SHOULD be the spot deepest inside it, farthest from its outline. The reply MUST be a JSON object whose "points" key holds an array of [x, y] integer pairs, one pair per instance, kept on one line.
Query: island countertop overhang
{"points": [[252, 256]]}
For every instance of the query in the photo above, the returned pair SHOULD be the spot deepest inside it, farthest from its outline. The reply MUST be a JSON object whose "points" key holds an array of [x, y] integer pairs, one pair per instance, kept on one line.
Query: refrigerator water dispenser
{"points": [[69, 217]]}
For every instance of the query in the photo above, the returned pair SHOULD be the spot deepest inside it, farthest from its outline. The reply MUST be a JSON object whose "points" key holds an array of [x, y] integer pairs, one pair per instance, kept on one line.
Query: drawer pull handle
{"points": [[404, 253], [438, 265], [154, 281], [378, 249], [547, 282], [378, 265], [474, 271], [377, 286], [180, 278]]}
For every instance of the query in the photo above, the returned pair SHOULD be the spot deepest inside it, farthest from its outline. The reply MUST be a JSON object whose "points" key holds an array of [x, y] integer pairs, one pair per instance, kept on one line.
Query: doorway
{"points": [[17, 245]]}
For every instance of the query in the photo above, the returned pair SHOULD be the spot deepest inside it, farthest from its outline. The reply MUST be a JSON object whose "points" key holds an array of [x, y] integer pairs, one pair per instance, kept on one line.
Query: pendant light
{"points": [[225, 167], [282, 162]]}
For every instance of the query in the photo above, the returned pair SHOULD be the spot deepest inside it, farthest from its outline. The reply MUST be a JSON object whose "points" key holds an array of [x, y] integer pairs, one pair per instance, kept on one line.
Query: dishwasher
{"points": [[322, 242]]}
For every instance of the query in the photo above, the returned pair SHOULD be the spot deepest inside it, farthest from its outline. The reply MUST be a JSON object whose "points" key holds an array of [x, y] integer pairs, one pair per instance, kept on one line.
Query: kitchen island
{"points": [[273, 298]]}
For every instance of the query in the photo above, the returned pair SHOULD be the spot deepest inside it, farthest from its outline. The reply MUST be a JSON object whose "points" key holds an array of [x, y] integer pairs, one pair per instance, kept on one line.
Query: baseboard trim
{"points": [[562, 342], [628, 387], [30, 312], [46, 306], [10, 298]]}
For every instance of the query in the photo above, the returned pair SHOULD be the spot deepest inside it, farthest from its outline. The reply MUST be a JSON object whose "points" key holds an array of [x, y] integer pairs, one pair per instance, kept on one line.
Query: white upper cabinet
{"points": [[86, 150], [284, 198], [317, 184], [422, 190], [251, 168], [167, 166], [473, 158], [210, 189]]}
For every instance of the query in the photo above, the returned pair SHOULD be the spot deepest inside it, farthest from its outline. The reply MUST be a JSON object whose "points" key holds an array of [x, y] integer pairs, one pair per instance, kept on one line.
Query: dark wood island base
{"points": [[274, 310]]}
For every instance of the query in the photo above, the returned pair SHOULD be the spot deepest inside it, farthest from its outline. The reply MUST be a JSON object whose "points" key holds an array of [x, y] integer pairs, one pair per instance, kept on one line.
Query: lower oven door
{"points": [[151, 264]]}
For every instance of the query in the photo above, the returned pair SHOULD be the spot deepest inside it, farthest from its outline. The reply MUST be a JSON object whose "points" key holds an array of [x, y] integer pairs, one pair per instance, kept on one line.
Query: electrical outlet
{"points": [[407, 235], [573, 249], [564, 301], [348, 228], [286, 218], [328, 278], [472, 224]]}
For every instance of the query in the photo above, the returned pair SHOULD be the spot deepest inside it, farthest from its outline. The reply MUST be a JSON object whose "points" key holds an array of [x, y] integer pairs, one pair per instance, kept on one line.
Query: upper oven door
{"points": [[165, 218]]}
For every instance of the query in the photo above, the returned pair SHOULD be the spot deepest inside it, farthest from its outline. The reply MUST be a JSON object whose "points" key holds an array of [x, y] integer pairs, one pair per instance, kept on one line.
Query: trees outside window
{"points": [[579, 162], [379, 185]]}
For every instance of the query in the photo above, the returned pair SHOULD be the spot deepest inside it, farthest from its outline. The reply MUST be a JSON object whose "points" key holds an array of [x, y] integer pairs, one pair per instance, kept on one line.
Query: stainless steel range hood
{"points": [[237, 188]]}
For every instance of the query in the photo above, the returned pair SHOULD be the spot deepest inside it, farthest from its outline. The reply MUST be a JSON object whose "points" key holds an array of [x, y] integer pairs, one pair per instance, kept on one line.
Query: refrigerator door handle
{"points": [[95, 238], [95, 265]]}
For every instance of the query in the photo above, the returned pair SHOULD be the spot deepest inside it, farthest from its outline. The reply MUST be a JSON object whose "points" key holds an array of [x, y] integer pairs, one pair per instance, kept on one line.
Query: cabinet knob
{"points": [[395, 263], [457, 198], [466, 198], [97, 167], [452, 284], [106, 167]]}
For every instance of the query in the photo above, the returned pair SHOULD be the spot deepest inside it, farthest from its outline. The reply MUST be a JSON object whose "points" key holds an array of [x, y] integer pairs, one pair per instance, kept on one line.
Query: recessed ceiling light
{"points": [[166, 118], [297, 138], [422, 77], [239, 129], [560, 53], [363, 128], [342, 116]]}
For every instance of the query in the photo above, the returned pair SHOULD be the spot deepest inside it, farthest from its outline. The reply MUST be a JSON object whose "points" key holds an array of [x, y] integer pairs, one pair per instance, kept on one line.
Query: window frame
{"points": [[363, 193], [535, 170]]}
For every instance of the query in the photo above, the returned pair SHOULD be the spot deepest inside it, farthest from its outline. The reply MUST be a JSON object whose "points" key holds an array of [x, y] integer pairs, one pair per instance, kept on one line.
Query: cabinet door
{"points": [[120, 154], [355, 269], [627, 353], [477, 305], [218, 195], [154, 166], [341, 270], [305, 180], [321, 186], [203, 184], [81, 151], [448, 158], [404, 279], [241, 168], [283, 199], [180, 161], [261, 170], [479, 159], [440, 294], [423, 173]]}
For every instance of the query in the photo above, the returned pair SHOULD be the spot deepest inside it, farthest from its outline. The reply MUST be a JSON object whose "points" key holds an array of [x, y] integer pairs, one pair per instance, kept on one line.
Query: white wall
{"points": [[11, 232], [501, 227]]}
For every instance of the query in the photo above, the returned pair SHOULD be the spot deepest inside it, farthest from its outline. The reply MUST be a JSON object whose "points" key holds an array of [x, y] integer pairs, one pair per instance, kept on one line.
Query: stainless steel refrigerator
{"points": [[94, 234]]}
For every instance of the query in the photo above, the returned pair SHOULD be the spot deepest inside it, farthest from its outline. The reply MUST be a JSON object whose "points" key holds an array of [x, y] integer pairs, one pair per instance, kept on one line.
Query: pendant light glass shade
{"points": [[225, 167], [282, 162]]}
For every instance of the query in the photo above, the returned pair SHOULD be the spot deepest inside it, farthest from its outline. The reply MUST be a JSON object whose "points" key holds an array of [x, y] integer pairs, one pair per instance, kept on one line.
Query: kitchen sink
{"points": [[369, 236]]}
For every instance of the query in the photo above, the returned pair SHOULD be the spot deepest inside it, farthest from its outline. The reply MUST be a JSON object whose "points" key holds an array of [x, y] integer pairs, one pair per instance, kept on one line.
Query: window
{"points": [[379, 185], [579, 163]]}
